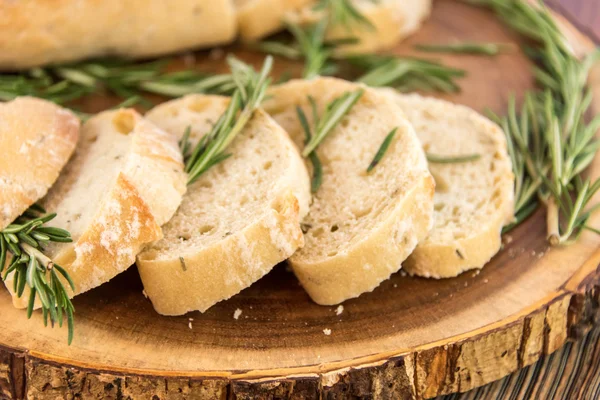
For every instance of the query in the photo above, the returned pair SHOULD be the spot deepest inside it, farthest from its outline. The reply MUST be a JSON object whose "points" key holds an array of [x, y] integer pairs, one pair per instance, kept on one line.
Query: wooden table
{"points": [[574, 371]]}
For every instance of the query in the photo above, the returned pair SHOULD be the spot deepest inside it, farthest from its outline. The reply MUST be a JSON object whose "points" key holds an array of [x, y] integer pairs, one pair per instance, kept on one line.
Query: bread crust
{"points": [[215, 273], [39, 32], [392, 21], [437, 258], [260, 18], [128, 216], [37, 139]]}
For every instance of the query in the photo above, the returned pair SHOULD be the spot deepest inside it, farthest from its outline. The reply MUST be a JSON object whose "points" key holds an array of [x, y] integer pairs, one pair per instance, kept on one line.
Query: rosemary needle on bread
{"points": [[247, 97], [23, 241], [382, 149]]}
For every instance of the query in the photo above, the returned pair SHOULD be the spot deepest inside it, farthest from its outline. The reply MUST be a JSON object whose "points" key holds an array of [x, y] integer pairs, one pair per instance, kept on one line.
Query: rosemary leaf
{"points": [[343, 13], [249, 94], [382, 149], [437, 159], [334, 112], [22, 242], [317, 178], [490, 49]]}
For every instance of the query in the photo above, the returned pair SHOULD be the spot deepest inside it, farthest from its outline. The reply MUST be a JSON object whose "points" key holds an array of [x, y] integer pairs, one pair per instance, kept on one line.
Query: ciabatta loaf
{"points": [[39, 32], [260, 18], [125, 180], [361, 226], [236, 222], [37, 139], [473, 200], [391, 20]]}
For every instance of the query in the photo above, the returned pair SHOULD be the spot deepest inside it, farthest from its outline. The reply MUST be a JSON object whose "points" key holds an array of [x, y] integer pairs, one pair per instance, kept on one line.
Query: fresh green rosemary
{"points": [[406, 74], [382, 149], [21, 253], [126, 79], [437, 159], [343, 13], [549, 141], [322, 125], [247, 97], [489, 49]]}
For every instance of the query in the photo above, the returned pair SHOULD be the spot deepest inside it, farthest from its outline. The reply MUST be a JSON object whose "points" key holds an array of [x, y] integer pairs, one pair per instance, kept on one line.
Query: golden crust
{"points": [[217, 272], [260, 18], [38, 32], [37, 138]]}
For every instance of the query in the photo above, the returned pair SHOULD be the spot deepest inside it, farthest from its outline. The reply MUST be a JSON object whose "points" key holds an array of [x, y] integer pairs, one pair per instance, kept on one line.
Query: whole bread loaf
{"points": [[39, 32]]}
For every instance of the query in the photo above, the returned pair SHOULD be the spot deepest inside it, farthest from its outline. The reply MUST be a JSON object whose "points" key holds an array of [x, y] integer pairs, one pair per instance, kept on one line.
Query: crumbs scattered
{"points": [[403, 273], [476, 272], [508, 239], [485, 281], [144, 293], [466, 284], [327, 332], [339, 310], [395, 285], [190, 324], [237, 313]]}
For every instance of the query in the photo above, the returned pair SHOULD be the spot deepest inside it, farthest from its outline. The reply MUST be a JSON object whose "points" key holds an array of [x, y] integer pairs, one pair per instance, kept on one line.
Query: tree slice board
{"points": [[409, 338]]}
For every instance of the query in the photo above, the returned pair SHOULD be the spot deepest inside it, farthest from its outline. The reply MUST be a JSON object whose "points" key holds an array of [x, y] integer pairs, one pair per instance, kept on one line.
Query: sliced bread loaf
{"points": [[37, 139], [391, 21], [260, 18], [125, 180], [361, 226], [236, 222], [474, 199]]}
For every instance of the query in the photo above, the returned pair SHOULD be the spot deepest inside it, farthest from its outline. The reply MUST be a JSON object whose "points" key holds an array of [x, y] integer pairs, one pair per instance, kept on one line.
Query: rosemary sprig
{"points": [[21, 253], [382, 149], [334, 112], [343, 13], [322, 125], [489, 49], [126, 79], [437, 159], [549, 142], [313, 48], [247, 97], [406, 74]]}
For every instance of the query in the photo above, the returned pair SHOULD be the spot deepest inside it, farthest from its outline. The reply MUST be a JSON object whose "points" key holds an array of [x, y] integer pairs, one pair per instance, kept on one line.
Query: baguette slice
{"points": [[260, 18], [125, 180], [361, 226], [236, 222], [37, 139], [39, 32], [473, 200], [393, 20]]}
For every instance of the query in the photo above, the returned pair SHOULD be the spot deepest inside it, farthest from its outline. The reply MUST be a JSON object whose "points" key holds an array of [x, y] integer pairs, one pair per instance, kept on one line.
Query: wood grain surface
{"points": [[410, 338]]}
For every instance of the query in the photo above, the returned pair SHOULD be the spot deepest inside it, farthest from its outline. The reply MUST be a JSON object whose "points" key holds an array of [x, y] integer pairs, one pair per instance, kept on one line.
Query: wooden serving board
{"points": [[410, 338]]}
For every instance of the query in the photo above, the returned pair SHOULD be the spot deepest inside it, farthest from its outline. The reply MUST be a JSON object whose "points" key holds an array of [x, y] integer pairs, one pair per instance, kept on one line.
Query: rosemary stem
{"points": [[552, 224], [46, 262]]}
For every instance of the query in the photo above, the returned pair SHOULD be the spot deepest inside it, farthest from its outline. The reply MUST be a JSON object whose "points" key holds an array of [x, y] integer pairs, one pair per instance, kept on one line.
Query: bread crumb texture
{"points": [[473, 200], [361, 226]]}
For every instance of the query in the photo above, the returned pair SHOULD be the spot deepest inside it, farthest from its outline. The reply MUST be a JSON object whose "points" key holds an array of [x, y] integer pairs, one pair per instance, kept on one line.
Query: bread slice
{"points": [[236, 222], [37, 139], [39, 32], [125, 180], [392, 21], [361, 226], [260, 18], [473, 200]]}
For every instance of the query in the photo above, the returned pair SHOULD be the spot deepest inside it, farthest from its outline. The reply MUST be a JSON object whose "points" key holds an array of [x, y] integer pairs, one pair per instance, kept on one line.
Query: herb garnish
{"points": [[322, 125], [23, 241], [247, 97], [343, 13], [382, 149], [489, 49], [550, 142], [437, 159]]}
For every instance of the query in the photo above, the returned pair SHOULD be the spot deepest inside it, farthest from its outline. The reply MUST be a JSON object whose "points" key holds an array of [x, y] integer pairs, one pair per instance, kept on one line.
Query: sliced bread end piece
{"points": [[474, 199], [125, 178], [236, 222], [37, 138], [361, 226]]}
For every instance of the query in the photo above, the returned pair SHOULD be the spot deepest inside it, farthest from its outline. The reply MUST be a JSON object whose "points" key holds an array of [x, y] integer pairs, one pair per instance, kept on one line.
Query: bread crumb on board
{"points": [[327, 332], [339, 310], [237, 313], [190, 324]]}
